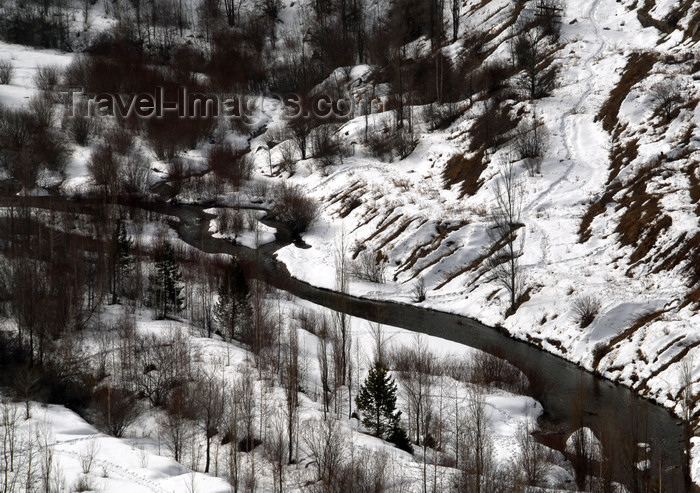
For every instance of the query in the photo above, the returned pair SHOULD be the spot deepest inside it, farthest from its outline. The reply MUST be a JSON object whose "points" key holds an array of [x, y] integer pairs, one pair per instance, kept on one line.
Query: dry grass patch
{"points": [[638, 66]]}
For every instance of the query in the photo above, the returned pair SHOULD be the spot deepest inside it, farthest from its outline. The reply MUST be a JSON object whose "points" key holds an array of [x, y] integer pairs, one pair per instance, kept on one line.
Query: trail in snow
{"points": [[571, 148], [118, 470]]}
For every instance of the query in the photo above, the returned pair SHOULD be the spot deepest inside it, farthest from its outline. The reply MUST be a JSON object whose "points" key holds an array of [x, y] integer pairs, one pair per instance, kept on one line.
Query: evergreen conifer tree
{"points": [[231, 308], [120, 259], [166, 282], [376, 402]]}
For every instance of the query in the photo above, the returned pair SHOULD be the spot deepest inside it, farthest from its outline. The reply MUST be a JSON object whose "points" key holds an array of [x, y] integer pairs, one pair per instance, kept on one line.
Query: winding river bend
{"points": [[558, 382]]}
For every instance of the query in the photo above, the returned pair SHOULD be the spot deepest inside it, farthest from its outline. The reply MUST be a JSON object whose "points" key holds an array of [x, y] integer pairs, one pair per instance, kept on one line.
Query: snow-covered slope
{"points": [[613, 213]]}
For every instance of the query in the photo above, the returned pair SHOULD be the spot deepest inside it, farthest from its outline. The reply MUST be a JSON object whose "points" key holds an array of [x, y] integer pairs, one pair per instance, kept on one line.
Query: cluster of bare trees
{"points": [[27, 461]]}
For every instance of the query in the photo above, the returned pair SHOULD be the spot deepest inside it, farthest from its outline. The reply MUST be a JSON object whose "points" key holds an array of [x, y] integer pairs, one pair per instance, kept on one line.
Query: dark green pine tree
{"points": [[165, 284], [377, 402], [120, 260], [232, 306]]}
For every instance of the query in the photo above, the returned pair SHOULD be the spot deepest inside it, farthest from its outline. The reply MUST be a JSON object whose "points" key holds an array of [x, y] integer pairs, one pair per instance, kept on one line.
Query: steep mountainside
{"points": [[610, 218]]}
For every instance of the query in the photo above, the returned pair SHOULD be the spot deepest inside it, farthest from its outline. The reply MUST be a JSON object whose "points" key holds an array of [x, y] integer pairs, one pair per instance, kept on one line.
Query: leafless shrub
{"points": [[404, 143], [288, 160], [87, 456], [308, 321], [532, 458], [103, 168], [325, 144], [115, 409], [295, 209], [231, 222], [585, 309], [531, 144], [7, 71], [48, 77], [379, 144], [419, 290], [260, 189], [79, 125], [440, 116], [327, 445], [229, 164], [134, 173], [369, 266], [83, 483], [668, 95], [489, 370], [120, 139]]}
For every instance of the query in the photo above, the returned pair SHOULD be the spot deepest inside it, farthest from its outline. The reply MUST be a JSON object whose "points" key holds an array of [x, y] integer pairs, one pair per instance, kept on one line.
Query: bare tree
{"points": [[324, 364], [327, 445], [291, 381], [531, 460], [531, 50], [209, 402], [455, 8], [476, 467], [687, 404], [276, 451], [506, 247], [379, 336], [177, 425], [413, 367]]}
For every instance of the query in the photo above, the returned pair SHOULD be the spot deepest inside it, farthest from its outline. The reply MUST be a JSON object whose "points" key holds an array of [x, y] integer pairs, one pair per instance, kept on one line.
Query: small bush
{"points": [[325, 145], [440, 116], [229, 164], [531, 145], [389, 144], [369, 266], [404, 143], [419, 290], [585, 309], [379, 144], [83, 483], [120, 139], [103, 167], [7, 71], [115, 409], [231, 222], [669, 96], [47, 77], [294, 209], [81, 126], [489, 370], [288, 156]]}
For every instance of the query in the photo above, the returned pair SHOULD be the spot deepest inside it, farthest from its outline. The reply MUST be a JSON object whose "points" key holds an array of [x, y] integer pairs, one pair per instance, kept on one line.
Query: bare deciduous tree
{"points": [[209, 402], [531, 460], [327, 445], [531, 51], [504, 262], [413, 367], [476, 466]]}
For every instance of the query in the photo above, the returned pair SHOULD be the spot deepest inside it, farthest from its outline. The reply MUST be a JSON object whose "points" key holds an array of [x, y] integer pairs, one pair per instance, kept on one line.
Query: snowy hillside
{"points": [[530, 166], [612, 214]]}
